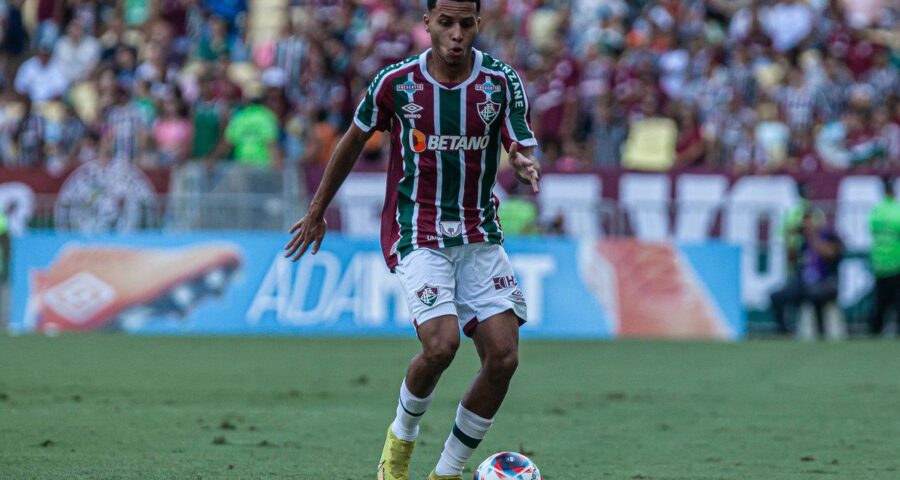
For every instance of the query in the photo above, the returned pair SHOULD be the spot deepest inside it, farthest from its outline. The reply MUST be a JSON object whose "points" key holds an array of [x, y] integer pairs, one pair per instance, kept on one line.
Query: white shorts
{"points": [[473, 282]]}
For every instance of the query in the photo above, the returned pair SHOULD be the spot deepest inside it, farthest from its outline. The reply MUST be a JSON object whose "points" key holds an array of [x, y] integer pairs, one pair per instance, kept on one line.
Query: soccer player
{"points": [[449, 111]]}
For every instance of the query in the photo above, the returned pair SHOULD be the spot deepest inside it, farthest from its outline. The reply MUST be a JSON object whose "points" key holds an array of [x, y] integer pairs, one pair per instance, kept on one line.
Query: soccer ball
{"points": [[507, 466]]}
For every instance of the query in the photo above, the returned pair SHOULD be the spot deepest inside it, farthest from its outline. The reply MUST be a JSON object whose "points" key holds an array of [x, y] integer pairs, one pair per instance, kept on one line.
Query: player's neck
{"points": [[442, 71]]}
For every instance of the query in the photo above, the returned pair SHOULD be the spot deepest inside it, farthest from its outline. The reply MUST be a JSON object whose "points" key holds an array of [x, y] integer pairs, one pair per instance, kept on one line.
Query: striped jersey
{"points": [[445, 149]]}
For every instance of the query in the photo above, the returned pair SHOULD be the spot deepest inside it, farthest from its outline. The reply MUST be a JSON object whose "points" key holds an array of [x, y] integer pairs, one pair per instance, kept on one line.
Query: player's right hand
{"points": [[309, 230]]}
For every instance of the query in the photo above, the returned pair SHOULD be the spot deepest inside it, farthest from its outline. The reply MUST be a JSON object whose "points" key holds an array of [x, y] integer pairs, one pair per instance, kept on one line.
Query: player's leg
{"points": [[487, 288], [427, 278], [497, 342], [440, 340]]}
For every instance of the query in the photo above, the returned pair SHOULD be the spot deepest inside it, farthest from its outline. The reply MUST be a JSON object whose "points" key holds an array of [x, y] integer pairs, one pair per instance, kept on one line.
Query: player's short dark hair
{"points": [[432, 3]]}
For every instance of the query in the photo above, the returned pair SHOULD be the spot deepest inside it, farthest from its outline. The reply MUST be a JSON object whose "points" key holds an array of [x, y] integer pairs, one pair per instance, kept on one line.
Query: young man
{"points": [[449, 111]]}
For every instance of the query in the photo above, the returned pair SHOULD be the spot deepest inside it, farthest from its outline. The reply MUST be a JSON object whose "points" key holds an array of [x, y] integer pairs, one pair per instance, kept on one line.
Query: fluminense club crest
{"points": [[427, 294], [488, 111]]}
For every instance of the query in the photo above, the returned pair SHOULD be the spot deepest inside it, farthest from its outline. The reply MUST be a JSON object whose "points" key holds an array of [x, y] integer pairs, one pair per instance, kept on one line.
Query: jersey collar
{"points": [[476, 67]]}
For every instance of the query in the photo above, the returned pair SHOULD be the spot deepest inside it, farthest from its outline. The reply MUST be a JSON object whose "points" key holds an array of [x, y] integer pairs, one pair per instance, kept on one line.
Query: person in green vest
{"points": [[253, 132], [884, 222], [519, 216]]}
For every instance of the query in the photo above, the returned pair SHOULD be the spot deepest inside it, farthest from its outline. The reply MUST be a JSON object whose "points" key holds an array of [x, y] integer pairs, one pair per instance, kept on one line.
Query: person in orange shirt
{"points": [[322, 138]]}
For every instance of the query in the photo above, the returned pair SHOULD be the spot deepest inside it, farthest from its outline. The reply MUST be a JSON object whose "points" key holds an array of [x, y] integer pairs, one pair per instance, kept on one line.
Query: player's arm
{"points": [[310, 229], [517, 134]]}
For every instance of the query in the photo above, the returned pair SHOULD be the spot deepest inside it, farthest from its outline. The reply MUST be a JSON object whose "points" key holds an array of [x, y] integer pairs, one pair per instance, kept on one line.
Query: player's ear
{"points": [[425, 19]]}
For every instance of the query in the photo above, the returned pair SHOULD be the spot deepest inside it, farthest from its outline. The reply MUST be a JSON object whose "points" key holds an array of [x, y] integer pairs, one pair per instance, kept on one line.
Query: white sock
{"points": [[467, 433], [409, 413]]}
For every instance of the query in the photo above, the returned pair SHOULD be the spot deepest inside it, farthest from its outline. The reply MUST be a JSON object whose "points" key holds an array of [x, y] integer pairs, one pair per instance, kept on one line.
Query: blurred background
{"points": [[693, 150]]}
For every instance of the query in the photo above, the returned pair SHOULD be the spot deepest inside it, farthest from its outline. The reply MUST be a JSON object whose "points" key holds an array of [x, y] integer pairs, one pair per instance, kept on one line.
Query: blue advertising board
{"points": [[240, 283]]}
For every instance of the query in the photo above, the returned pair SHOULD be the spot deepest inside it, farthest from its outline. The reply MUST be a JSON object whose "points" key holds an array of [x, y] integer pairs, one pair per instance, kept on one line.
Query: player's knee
{"points": [[502, 365], [440, 353]]}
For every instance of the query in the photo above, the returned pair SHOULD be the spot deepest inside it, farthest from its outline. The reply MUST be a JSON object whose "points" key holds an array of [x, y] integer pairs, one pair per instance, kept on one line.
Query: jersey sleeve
{"points": [[517, 123], [374, 110]]}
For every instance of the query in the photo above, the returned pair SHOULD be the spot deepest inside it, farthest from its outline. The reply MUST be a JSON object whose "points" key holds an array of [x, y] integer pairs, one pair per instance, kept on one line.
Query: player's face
{"points": [[453, 27]]}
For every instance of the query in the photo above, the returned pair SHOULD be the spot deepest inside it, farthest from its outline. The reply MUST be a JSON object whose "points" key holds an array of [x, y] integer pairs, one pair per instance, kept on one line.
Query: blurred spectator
{"points": [[690, 148], [13, 40], [76, 53], [172, 133], [651, 140], [788, 23], [126, 128], [771, 136], [323, 137], [39, 78], [29, 136], [253, 133], [291, 50], [209, 116], [608, 133], [884, 222], [223, 87], [519, 216], [814, 274], [215, 42], [50, 15], [62, 139], [232, 12]]}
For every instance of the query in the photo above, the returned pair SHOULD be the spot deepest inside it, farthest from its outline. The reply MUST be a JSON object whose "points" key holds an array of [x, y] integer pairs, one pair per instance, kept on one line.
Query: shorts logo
{"points": [[409, 86], [412, 110], [418, 141], [451, 228], [427, 294], [518, 295], [488, 87], [488, 111], [502, 283]]}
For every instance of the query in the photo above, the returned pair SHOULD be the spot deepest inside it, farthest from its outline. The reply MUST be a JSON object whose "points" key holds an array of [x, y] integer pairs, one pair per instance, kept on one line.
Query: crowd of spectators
{"points": [[742, 85]]}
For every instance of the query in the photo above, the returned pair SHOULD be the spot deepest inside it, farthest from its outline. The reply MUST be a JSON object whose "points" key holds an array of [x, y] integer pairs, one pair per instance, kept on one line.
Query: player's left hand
{"points": [[527, 169]]}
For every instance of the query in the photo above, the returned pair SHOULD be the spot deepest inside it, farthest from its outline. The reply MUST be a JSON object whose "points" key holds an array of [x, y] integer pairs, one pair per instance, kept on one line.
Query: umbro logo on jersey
{"points": [[412, 110], [410, 86], [420, 142]]}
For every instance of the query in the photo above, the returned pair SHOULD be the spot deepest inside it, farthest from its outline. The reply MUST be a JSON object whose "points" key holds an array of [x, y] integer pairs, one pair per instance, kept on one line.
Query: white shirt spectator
{"points": [[787, 24], [674, 65], [40, 81], [76, 60]]}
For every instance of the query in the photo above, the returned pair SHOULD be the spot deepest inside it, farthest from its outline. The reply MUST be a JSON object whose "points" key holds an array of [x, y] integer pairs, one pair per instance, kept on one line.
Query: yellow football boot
{"points": [[394, 463], [435, 476]]}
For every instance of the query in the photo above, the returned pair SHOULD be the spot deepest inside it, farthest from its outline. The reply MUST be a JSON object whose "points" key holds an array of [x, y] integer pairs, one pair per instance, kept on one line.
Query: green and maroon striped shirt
{"points": [[445, 150]]}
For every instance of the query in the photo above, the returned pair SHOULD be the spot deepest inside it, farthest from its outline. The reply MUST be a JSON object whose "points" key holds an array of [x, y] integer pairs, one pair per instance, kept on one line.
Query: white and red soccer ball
{"points": [[507, 466]]}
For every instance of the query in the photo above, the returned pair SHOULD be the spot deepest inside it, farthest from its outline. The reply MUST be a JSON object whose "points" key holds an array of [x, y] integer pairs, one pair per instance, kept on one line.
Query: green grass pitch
{"points": [[111, 406]]}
